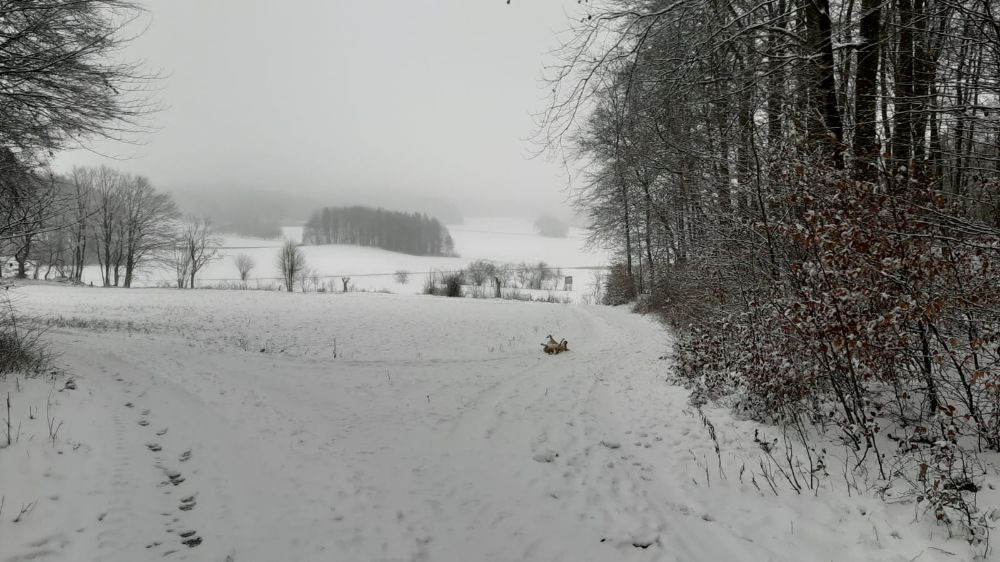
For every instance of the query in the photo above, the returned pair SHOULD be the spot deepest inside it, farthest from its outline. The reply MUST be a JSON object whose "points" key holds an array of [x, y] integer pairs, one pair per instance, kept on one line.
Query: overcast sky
{"points": [[350, 98]]}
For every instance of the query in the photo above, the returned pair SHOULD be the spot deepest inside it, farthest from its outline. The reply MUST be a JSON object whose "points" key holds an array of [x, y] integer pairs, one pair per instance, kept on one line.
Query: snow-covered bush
{"points": [[618, 288], [875, 312]]}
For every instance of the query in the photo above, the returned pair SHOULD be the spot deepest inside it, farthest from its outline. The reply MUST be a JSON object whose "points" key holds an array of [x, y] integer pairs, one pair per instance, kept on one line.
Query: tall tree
{"points": [[199, 246], [148, 221]]}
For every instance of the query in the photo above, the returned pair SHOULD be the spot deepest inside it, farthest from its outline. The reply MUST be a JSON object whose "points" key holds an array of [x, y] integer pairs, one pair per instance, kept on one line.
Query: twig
{"points": [[53, 428], [25, 510]]}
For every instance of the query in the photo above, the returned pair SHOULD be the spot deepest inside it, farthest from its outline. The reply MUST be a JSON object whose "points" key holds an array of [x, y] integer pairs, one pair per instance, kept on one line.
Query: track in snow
{"points": [[422, 445]]}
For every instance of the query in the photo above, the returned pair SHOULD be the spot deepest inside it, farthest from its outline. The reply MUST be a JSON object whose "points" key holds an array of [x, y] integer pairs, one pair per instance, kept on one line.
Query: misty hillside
{"points": [[261, 213]]}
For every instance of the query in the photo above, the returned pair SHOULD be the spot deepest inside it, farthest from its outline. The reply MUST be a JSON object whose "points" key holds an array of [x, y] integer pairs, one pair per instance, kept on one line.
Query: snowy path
{"points": [[487, 451]]}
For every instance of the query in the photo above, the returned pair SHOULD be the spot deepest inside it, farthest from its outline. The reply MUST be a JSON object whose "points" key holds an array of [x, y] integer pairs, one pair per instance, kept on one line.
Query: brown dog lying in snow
{"points": [[553, 347]]}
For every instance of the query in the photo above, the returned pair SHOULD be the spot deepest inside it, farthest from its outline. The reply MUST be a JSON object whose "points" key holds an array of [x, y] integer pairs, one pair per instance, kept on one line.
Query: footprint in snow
{"points": [[187, 504], [545, 456], [192, 542], [185, 456], [143, 423], [162, 432], [145, 412], [175, 477], [155, 447], [129, 405]]}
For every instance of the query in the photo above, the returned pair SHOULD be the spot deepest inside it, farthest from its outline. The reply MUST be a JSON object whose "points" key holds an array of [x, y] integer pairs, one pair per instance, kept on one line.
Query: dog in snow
{"points": [[553, 347]]}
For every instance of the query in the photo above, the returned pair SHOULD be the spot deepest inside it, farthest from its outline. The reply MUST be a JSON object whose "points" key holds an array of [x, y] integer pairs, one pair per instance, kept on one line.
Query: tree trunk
{"points": [[902, 117], [828, 134], [628, 238], [866, 146], [649, 238], [129, 268], [776, 81]]}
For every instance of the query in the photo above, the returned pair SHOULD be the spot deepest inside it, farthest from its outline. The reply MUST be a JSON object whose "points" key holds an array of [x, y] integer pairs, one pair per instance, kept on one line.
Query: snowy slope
{"points": [[501, 240], [439, 432]]}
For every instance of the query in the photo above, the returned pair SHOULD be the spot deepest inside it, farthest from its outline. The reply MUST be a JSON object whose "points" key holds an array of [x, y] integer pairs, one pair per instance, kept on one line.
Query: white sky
{"points": [[431, 97]]}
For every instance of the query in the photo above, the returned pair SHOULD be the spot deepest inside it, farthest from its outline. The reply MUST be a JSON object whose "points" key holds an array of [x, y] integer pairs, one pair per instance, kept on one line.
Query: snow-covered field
{"points": [[371, 269], [253, 426]]}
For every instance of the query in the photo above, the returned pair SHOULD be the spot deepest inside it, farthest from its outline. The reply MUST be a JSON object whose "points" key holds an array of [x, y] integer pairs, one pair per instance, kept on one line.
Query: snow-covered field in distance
{"points": [[263, 426], [500, 240]]}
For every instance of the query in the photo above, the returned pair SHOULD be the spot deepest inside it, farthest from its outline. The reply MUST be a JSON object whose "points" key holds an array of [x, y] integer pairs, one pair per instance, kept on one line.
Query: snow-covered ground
{"points": [[252, 426], [497, 239]]}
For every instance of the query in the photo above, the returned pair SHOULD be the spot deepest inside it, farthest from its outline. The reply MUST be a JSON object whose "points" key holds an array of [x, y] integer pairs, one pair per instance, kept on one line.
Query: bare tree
{"points": [[147, 222], [816, 163], [480, 271], [62, 83], [35, 216], [105, 220], [52, 251], [81, 181], [200, 246], [244, 264], [523, 273], [291, 263], [180, 262]]}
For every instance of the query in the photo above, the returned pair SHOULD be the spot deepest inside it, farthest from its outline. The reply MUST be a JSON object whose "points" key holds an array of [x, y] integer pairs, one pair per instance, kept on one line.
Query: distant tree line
{"points": [[410, 233]]}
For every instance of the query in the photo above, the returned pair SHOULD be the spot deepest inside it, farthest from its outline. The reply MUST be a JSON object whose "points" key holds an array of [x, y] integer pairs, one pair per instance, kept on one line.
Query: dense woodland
{"points": [[410, 233], [808, 191]]}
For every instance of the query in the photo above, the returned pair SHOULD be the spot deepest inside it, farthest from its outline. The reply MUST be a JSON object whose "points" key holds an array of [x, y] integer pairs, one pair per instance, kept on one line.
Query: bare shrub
{"points": [[479, 272], [244, 264], [453, 284], [876, 325], [430, 283], [21, 348], [402, 276], [197, 246], [291, 264]]}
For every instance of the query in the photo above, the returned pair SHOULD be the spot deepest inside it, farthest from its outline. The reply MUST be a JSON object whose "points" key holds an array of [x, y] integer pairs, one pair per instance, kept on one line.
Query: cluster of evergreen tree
{"points": [[410, 233]]}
